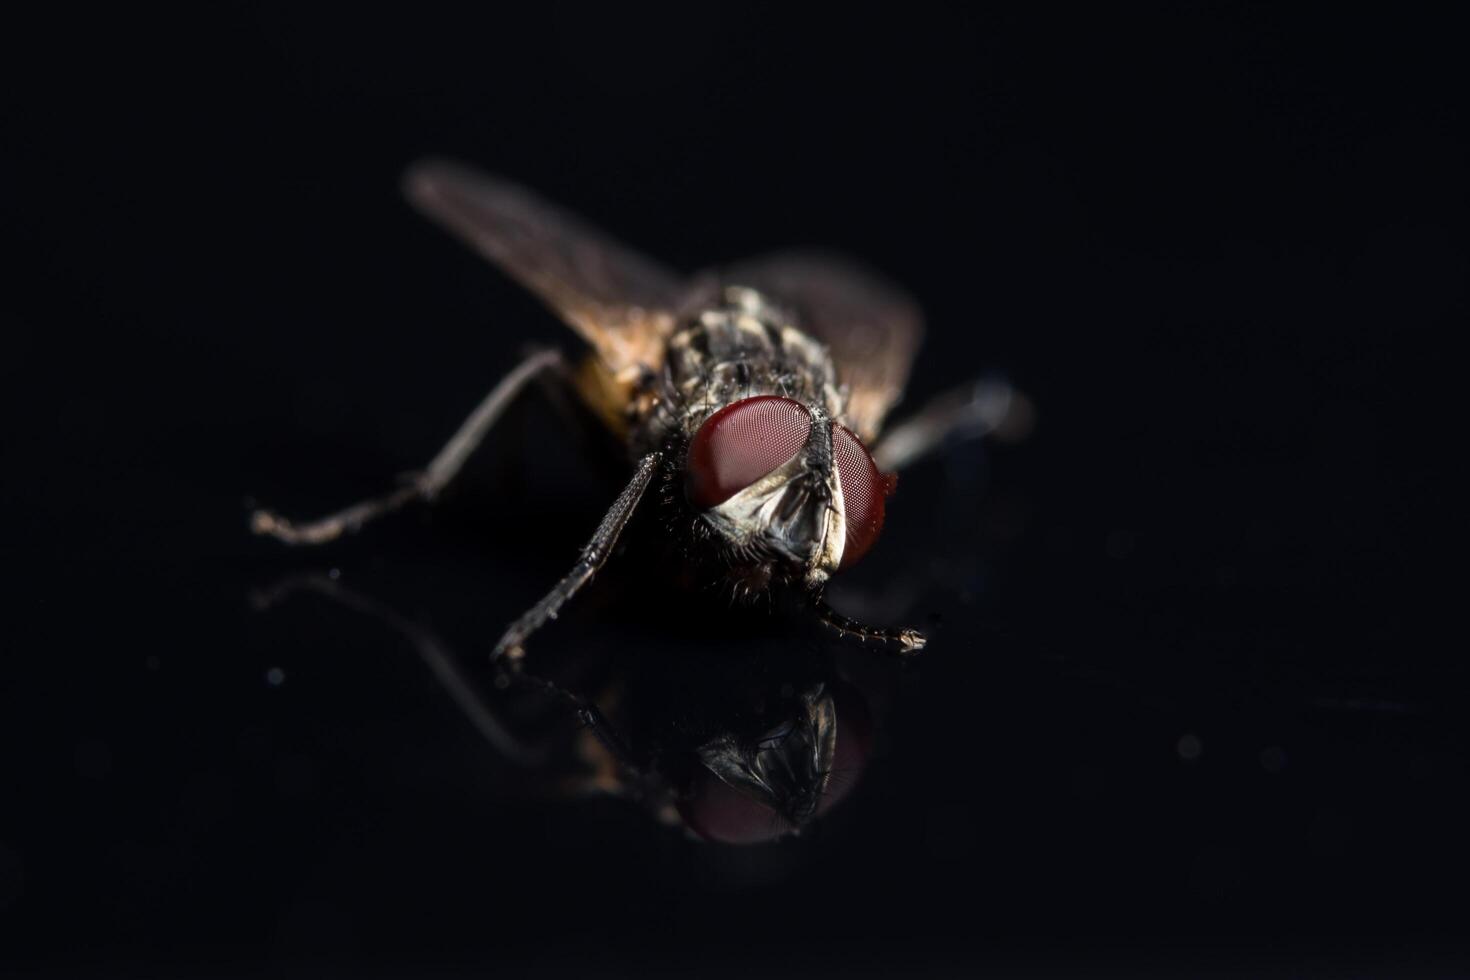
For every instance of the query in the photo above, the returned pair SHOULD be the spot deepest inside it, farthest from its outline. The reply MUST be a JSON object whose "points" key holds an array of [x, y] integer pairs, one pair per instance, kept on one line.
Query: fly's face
{"points": [[790, 493]]}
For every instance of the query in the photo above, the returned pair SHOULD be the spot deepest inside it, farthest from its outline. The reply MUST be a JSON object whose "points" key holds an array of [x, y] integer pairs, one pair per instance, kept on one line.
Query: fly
{"points": [[747, 398]]}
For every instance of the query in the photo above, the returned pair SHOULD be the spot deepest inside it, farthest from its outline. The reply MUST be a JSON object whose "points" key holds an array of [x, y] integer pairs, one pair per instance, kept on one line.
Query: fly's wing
{"points": [[871, 327], [619, 301]]}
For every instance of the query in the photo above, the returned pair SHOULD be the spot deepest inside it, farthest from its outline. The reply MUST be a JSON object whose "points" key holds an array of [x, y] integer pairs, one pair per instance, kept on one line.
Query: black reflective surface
{"points": [[1193, 699]]}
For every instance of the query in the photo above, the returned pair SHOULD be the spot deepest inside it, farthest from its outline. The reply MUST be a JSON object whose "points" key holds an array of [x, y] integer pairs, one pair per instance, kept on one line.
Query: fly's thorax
{"points": [[742, 346]]}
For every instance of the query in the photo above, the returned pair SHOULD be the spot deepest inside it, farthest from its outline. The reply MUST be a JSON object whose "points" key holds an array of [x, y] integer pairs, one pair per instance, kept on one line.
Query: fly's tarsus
{"points": [[903, 641]]}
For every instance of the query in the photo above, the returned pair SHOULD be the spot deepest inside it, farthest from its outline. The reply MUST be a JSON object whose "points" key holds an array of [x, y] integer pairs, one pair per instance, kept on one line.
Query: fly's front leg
{"points": [[425, 485], [594, 556], [984, 407], [904, 642]]}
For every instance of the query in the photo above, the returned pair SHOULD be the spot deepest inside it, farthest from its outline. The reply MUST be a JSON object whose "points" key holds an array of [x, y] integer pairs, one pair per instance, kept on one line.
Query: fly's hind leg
{"points": [[593, 557], [422, 486], [984, 407]]}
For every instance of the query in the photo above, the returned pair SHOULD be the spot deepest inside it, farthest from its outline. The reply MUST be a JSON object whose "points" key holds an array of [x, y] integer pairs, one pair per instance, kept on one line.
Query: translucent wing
{"points": [[619, 301], [871, 327]]}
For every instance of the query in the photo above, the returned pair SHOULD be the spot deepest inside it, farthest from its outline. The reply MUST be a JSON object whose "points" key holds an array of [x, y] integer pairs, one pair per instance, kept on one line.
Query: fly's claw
{"points": [[911, 641], [508, 650]]}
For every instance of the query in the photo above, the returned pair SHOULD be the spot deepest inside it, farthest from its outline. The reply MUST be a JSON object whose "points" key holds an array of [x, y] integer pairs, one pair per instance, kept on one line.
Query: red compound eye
{"points": [[863, 492], [741, 443]]}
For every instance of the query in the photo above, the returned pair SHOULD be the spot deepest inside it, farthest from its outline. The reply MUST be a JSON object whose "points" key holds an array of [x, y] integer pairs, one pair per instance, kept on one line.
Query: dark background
{"points": [[1220, 248]]}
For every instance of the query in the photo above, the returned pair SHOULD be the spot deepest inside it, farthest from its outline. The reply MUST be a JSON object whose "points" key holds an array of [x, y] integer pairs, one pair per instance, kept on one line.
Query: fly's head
{"points": [[790, 494]]}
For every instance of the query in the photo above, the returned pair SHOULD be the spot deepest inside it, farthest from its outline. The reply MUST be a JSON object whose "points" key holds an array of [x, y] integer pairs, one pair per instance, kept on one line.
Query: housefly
{"points": [[752, 400]]}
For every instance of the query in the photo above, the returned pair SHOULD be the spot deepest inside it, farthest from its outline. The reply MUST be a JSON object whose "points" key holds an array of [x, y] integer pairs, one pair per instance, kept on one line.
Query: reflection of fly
{"points": [[749, 744], [749, 395]]}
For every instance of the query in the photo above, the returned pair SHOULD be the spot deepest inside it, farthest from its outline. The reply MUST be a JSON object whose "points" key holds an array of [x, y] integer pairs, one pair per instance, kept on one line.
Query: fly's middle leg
{"points": [[984, 407], [424, 485]]}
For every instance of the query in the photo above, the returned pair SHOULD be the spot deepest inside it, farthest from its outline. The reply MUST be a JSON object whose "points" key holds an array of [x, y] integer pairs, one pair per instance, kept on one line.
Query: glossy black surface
{"points": [[1194, 694]]}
